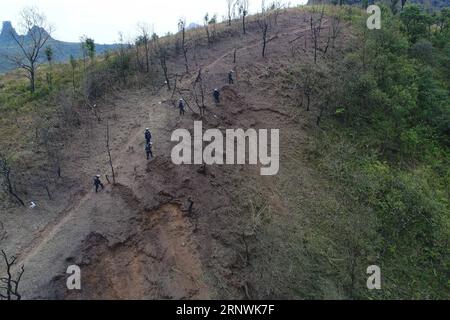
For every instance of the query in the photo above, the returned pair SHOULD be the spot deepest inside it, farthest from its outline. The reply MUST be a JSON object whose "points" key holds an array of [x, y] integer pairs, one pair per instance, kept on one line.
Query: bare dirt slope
{"points": [[137, 240]]}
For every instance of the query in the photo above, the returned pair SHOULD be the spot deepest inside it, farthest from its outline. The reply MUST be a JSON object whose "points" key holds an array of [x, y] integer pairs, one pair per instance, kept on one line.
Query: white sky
{"points": [[103, 19]]}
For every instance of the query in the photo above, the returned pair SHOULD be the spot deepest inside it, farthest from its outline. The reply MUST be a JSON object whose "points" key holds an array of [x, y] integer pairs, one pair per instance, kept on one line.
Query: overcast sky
{"points": [[103, 19]]}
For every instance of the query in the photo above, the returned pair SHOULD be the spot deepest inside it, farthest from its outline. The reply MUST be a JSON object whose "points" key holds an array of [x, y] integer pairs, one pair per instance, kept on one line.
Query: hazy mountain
{"points": [[193, 25], [62, 50]]}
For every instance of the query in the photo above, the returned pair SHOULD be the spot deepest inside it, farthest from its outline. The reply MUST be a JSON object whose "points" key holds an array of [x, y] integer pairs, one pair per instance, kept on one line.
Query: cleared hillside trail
{"points": [[137, 240], [76, 224]]}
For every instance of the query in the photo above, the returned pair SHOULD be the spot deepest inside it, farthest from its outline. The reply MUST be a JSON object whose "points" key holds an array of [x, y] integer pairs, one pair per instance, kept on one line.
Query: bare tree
{"points": [[231, 7], [316, 28], [137, 45], [9, 287], [264, 24], [311, 75], [213, 27], [144, 41], [243, 7], [275, 10], [108, 148], [37, 32], [122, 59], [199, 96], [206, 25], [182, 28], [5, 174], [161, 52], [333, 32]]}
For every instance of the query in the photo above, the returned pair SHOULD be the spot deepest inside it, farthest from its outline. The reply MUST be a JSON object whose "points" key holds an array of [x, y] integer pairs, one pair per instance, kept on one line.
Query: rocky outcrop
{"points": [[7, 32]]}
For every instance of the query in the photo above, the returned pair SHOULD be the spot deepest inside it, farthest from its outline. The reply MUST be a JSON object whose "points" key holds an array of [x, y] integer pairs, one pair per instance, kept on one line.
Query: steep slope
{"points": [[138, 239]]}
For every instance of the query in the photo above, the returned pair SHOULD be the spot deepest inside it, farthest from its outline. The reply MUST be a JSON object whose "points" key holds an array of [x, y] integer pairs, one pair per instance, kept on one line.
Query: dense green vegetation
{"points": [[386, 145]]}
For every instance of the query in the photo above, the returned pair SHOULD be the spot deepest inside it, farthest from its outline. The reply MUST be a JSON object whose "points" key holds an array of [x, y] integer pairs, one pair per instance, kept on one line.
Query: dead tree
{"points": [[243, 6], [333, 33], [38, 31], [144, 41], [137, 45], [162, 56], [5, 173], [9, 287], [309, 81], [109, 154], [316, 28], [264, 24], [275, 10], [206, 25], [200, 96], [231, 7], [122, 59], [182, 28]]}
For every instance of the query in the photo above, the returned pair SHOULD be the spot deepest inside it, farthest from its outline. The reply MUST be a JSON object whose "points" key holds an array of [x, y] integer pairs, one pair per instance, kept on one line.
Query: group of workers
{"points": [[148, 135], [216, 95]]}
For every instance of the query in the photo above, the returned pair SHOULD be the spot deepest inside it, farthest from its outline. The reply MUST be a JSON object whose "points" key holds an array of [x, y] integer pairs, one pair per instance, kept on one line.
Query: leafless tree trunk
{"points": [[161, 52], [264, 25], [243, 6], [122, 57], [5, 172], [182, 28], [201, 87], [144, 41], [310, 78], [231, 6], [9, 287], [316, 28], [138, 58], [206, 25], [38, 31], [147, 54], [162, 60], [109, 154], [335, 29], [275, 9]]}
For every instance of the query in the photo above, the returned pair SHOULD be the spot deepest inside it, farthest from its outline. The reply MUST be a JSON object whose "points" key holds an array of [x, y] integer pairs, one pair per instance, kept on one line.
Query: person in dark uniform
{"points": [[148, 135], [230, 77], [216, 95], [181, 107], [148, 150], [98, 183]]}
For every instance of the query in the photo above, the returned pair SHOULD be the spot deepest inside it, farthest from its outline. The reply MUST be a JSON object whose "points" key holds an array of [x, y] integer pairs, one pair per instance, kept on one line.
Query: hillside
{"points": [[427, 4], [61, 50], [364, 164]]}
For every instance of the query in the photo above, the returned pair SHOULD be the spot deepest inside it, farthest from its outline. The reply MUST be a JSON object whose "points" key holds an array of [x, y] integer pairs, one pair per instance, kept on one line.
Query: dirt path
{"points": [[111, 216]]}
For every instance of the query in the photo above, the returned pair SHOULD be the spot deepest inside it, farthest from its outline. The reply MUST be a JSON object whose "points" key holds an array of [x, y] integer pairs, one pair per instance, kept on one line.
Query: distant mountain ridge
{"points": [[61, 50]]}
